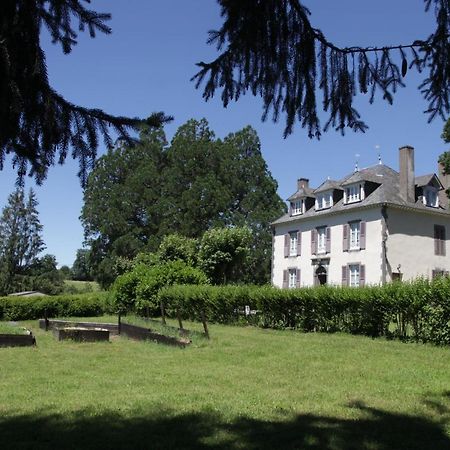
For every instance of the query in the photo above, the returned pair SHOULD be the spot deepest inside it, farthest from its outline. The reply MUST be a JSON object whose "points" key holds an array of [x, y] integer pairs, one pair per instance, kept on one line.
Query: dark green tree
{"points": [[271, 49], [39, 126], [446, 132], [81, 268], [137, 195], [122, 209], [20, 237], [195, 194]]}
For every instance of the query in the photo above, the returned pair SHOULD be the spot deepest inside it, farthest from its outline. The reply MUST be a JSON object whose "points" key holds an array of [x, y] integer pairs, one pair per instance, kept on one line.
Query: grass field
{"points": [[74, 286], [245, 388]]}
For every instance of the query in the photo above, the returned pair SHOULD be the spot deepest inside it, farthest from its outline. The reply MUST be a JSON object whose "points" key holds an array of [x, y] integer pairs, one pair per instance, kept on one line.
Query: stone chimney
{"points": [[302, 183], [407, 185]]}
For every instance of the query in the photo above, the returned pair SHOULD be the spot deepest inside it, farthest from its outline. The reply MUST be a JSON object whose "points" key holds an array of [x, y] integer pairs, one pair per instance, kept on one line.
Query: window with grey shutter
{"points": [[439, 240], [362, 235], [285, 279], [297, 279], [313, 241], [328, 241], [287, 243], [290, 208], [362, 274], [344, 276], [299, 243], [345, 240]]}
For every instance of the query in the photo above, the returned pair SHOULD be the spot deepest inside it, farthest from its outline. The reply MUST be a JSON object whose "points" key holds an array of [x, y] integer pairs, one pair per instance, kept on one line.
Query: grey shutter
{"points": [[345, 230], [285, 279], [362, 236], [328, 240], [297, 281], [344, 276], [290, 208], [436, 240], [433, 274], [313, 241], [299, 243], [362, 274], [287, 241], [443, 252]]}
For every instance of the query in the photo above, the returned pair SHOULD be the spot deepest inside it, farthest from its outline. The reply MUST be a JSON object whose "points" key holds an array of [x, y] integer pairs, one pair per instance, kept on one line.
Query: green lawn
{"points": [[246, 388], [74, 286], [7, 328]]}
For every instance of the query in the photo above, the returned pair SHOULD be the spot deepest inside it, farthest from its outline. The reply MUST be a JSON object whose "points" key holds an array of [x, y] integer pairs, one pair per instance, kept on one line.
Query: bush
{"points": [[417, 311], [29, 308], [137, 290]]}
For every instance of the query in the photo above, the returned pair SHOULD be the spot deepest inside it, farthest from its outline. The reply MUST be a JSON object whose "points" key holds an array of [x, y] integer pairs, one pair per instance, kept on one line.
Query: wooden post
{"points": [[46, 320], [163, 313], [180, 323], [118, 323], [205, 325]]}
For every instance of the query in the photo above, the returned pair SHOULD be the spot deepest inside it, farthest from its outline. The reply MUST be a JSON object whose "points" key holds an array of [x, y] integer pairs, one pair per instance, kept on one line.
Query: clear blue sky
{"points": [[146, 65]]}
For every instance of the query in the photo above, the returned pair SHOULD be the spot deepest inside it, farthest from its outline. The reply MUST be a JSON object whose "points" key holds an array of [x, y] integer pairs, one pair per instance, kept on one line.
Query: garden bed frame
{"points": [[17, 340]]}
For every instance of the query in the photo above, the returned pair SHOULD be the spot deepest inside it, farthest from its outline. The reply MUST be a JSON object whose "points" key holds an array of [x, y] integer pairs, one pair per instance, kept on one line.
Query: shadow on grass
{"points": [[376, 429]]}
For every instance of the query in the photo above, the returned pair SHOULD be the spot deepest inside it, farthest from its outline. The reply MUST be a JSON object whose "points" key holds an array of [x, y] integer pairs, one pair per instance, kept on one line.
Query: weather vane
{"points": [[377, 148], [357, 155]]}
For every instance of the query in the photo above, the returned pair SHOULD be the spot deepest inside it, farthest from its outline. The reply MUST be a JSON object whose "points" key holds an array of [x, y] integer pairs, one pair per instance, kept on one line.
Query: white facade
{"points": [[372, 227]]}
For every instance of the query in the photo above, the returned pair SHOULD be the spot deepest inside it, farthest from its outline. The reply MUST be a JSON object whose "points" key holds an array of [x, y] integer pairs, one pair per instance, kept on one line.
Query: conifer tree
{"points": [[39, 126], [271, 49], [20, 237]]}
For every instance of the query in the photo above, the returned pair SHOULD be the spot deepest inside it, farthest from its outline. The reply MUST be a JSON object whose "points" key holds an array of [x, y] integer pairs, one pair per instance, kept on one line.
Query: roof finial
{"points": [[377, 147], [356, 162]]}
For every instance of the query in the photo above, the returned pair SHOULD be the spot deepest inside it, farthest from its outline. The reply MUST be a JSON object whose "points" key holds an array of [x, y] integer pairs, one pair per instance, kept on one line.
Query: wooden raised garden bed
{"points": [[79, 334], [141, 333], [50, 324], [17, 340]]}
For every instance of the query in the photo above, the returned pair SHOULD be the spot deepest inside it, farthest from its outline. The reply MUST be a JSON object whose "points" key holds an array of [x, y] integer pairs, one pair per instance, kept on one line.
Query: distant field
{"points": [[81, 286], [246, 388]]}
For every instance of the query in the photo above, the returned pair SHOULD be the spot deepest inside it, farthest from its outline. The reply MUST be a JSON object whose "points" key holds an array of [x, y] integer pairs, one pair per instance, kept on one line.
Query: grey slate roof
{"points": [[387, 192], [327, 186], [301, 193]]}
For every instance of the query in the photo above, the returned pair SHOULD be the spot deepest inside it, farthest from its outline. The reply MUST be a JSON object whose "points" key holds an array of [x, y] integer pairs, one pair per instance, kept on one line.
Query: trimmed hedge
{"points": [[29, 308], [418, 311]]}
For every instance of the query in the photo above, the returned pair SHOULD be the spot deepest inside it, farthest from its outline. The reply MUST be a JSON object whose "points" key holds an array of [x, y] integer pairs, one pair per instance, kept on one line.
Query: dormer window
{"points": [[297, 207], [324, 200], [430, 196], [354, 193]]}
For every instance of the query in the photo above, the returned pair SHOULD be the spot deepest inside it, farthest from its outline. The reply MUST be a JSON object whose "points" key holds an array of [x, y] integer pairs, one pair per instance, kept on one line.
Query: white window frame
{"points": [[324, 200], [430, 197], [292, 278], [297, 207], [321, 240], [354, 275], [354, 193], [354, 235], [293, 241]]}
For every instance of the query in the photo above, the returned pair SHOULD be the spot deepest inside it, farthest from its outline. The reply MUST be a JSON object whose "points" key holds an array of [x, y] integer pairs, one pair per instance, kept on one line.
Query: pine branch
{"points": [[271, 49], [38, 126]]}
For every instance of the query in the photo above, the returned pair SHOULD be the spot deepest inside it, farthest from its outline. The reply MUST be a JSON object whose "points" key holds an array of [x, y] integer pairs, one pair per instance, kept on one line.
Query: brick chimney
{"points": [[302, 183], [407, 185]]}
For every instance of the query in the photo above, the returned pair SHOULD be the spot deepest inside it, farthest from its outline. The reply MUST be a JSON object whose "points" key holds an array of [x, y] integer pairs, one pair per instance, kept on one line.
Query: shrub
{"points": [[28, 308]]}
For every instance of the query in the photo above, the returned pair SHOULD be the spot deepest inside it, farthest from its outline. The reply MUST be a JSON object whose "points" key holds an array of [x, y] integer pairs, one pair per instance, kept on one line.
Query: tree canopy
{"points": [[268, 47], [137, 195]]}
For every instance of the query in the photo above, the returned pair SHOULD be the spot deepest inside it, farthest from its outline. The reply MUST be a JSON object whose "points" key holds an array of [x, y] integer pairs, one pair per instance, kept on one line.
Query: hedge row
{"points": [[419, 310], [78, 305]]}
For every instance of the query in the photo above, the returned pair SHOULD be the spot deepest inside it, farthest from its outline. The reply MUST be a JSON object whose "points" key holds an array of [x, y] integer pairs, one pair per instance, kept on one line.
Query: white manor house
{"points": [[372, 227]]}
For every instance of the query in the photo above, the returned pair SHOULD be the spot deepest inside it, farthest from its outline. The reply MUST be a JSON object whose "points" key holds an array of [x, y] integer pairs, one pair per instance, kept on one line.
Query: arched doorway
{"points": [[321, 274]]}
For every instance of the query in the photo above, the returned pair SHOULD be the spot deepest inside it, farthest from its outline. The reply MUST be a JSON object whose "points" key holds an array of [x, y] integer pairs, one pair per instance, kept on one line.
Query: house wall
{"points": [[410, 243], [371, 256]]}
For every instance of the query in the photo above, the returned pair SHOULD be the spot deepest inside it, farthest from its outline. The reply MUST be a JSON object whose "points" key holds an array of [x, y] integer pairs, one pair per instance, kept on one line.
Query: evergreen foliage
{"points": [[20, 237], [271, 49], [39, 126], [137, 195]]}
